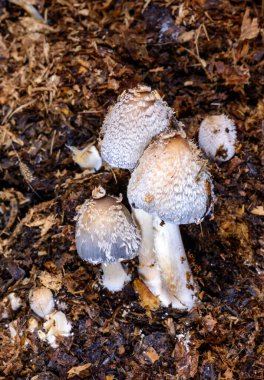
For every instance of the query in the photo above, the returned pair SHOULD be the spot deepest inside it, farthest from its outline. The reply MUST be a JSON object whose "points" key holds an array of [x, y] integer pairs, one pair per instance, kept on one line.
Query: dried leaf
{"points": [[78, 370], [249, 27], [110, 377], [51, 281], [4, 53], [45, 224], [186, 36], [233, 75], [228, 375], [259, 210], [209, 322], [186, 360], [147, 299], [152, 354]]}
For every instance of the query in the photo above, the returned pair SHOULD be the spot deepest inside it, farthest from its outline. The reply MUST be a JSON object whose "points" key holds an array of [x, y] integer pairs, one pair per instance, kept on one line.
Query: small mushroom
{"points": [[172, 186], [106, 234], [41, 301], [86, 158], [138, 116], [217, 137]]}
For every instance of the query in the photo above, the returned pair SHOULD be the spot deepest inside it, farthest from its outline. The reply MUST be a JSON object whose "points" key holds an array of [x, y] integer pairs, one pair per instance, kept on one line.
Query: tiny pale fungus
{"points": [[217, 137], [86, 158], [106, 234], [170, 186], [41, 301], [138, 116]]}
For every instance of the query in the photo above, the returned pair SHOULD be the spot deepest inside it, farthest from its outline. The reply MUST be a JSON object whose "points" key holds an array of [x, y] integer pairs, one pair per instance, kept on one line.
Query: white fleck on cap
{"points": [[138, 116], [217, 137], [171, 181], [105, 232]]}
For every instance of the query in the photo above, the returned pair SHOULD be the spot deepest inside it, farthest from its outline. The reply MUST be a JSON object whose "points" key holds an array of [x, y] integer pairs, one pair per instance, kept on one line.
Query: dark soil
{"points": [[57, 80]]}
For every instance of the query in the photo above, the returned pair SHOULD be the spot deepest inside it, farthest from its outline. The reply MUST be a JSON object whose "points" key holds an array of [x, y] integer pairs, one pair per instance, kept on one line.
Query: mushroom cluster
{"points": [[169, 186]]}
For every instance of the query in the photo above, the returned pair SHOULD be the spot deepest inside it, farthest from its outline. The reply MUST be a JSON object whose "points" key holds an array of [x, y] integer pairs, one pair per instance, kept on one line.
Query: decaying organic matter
{"points": [[58, 78]]}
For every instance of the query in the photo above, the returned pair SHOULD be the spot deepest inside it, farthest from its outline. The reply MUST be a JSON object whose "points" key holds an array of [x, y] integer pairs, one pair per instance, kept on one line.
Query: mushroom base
{"points": [[177, 281], [114, 276]]}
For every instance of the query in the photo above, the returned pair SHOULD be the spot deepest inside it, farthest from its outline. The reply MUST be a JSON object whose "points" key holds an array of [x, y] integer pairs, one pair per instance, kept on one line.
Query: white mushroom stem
{"points": [[178, 286], [148, 270], [114, 276]]}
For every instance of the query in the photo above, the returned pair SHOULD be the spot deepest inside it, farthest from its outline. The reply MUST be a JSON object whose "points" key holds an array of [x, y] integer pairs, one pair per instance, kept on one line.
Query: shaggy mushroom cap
{"points": [[171, 181], [138, 116], [217, 137], [105, 232]]}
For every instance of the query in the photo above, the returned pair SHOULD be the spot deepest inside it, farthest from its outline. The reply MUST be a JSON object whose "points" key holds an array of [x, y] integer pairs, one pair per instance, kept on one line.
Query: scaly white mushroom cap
{"points": [[138, 116], [171, 181], [105, 232], [217, 137]]}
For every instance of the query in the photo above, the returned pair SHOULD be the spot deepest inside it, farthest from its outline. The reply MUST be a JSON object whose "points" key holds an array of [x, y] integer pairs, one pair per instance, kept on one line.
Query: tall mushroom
{"points": [[106, 234], [171, 183]]}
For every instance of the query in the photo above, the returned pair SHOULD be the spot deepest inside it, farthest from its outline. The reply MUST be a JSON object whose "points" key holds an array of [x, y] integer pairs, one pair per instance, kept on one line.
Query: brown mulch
{"points": [[57, 79]]}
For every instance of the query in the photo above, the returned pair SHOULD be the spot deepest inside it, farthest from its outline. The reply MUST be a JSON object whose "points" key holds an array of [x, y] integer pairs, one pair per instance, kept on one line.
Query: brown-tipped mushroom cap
{"points": [[105, 232], [171, 181], [138, 116]]}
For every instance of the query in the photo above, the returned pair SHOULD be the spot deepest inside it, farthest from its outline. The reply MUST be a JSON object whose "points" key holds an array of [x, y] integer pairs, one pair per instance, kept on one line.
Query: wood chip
{"points": [[147, 299], [249, 28], [152, 354], [78, 370]]}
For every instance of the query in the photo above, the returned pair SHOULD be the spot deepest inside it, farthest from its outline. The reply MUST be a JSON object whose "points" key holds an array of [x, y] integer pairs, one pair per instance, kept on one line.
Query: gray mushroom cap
{"points": [[171, 181], [138, 116], [105, 232]]}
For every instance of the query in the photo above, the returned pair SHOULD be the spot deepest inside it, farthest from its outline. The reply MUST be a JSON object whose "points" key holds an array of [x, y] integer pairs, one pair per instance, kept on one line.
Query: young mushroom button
{"points": [[217, 137], [138, 116], [106, 234], [170, 183]]}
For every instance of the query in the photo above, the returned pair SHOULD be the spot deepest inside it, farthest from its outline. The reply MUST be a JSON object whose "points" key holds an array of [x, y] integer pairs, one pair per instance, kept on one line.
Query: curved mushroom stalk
{"points": [[177, 280], [148, 269], [114, 276]]}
